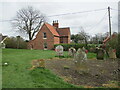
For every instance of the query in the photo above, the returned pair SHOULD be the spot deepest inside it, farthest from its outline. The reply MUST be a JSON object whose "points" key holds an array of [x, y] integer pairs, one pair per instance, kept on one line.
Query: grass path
{"points": [[18, 75]]}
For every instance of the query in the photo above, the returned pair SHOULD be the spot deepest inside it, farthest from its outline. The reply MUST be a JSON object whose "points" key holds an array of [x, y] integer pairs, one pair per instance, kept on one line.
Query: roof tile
{"points": [[52, 29]]}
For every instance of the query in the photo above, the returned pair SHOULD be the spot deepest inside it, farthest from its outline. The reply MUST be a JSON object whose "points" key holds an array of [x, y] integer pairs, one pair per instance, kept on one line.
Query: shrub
{"points": [[118, 47], [115, 44], [15, 42]]}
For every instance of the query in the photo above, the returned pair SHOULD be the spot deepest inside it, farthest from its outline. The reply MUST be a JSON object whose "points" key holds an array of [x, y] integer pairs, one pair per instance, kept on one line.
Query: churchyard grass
{"points": [[17, 74]]}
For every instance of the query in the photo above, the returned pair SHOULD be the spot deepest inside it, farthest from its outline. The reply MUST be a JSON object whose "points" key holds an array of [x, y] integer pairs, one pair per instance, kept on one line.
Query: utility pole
{"points": [[109, 21]]}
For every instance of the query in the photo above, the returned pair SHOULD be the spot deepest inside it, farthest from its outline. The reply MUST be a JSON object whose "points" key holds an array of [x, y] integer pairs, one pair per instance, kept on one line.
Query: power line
{"points": [[115, 9], [65, 14], [99, 21], [77, 12], [93, 27]]}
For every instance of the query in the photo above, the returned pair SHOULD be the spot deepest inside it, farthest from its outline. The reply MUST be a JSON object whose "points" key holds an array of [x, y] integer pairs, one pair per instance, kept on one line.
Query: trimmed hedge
{"points": [[76, 46]]}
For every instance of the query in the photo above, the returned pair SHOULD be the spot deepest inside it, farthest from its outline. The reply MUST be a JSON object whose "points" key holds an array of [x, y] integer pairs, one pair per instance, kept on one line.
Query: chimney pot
{"points": [[55, 23]]}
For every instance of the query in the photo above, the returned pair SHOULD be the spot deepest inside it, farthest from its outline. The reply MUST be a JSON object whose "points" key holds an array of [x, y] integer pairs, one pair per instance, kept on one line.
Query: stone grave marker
{"points": [[79, 60], [84, 53], [100, 54], [112, 53], [38, 63], [79, 56], [71, 52], [59, 50]]}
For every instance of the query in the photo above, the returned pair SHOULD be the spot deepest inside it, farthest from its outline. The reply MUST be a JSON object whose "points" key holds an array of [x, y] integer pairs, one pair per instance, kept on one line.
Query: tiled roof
{"points": [[52, 29], [64, 31], [2, 37]]}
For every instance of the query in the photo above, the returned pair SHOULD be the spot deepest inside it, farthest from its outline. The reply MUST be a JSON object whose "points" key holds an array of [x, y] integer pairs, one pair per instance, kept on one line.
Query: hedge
{"points": [[76, 46]]}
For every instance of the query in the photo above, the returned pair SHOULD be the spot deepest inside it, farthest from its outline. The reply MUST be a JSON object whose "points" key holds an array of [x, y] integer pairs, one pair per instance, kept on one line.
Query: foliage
{"points": [[15, 42], [118, 47], [98, 38], [115, 44], [75, 38], [81, 37]]}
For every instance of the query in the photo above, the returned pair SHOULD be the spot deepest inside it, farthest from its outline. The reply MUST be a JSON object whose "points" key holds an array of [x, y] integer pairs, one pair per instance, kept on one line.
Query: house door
{"points": [[45, 46]]}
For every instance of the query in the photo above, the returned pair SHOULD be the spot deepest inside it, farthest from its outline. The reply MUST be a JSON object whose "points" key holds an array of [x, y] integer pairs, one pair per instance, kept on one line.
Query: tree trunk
{"points": [[86, 43], [30, 38]]}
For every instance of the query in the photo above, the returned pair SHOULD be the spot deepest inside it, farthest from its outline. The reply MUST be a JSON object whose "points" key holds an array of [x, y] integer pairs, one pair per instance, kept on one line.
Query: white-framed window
{"points": [[44, 35]]}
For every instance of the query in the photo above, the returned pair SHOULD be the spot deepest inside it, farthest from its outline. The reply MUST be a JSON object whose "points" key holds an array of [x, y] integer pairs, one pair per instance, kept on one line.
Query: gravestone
{"points": [[112, 53], [2, 45], [79, 56], [100, 54], [59, 50], [38, 63], [79, 60], [72, 52], [84, 53]]}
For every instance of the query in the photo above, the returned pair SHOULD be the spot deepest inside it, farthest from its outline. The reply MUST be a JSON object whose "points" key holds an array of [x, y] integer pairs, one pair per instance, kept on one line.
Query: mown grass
{"points": [[17, 74]]}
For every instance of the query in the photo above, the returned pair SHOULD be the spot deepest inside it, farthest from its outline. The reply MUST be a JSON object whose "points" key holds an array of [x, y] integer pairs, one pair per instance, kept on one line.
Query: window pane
{"points": [[44, 35]]}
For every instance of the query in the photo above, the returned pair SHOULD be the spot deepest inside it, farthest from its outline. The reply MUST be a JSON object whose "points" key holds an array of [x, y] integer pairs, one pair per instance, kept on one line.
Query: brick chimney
{"points": [[56, 24]]}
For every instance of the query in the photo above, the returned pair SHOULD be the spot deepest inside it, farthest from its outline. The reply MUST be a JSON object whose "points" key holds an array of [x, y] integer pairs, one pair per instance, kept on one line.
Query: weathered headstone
{"points": [[79, 60], [84, 53], [2, 45], [112, 53], [72, 52], [79, 56], [38, 63], [59, 50], [100, 54]]}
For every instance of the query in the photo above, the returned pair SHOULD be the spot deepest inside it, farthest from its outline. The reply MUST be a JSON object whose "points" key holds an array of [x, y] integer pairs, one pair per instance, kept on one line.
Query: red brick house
{"points": [[49, 35]]}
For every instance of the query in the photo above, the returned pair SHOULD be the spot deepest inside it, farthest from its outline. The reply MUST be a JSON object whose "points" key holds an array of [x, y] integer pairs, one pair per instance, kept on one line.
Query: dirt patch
{"points": [[93, 73]]}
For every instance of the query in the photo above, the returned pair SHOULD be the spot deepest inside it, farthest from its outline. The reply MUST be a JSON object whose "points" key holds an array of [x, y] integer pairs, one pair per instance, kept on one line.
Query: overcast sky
{"points": [[93, 22]]}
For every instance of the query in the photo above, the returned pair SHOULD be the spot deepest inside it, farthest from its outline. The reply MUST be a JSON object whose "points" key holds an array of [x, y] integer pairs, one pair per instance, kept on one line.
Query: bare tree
{"points": [[84, 36], [28, 20]]}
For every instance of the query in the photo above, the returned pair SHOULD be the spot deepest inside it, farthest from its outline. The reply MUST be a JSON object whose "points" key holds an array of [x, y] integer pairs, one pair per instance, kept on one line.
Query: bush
{"points": [[15, 42], [115, 44], [118, 47]]}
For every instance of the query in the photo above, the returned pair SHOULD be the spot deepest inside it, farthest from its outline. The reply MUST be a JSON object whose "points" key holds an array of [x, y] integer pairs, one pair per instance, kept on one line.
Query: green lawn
{"points": [[18, 75]]}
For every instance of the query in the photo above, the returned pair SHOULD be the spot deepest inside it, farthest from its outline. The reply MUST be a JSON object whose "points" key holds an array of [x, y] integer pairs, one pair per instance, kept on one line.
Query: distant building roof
{"points": [[63, 31]]}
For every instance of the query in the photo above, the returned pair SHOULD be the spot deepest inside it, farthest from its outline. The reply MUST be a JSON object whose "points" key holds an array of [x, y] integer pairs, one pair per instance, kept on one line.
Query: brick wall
{"points": [[56, 40], [38, 43]]}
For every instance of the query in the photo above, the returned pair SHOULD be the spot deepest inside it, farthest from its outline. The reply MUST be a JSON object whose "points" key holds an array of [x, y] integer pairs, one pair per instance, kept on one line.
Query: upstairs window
{"points": [[44, 35]]}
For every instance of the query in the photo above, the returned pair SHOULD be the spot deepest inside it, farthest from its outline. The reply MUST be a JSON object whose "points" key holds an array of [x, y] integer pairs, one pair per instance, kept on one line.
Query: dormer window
{"points": [[44, 35]]}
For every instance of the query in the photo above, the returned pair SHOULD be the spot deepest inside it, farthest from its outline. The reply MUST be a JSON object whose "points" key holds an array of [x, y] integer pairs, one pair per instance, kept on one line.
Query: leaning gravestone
{"points": [[72, 52], [79, 56], [59, 50], [79, 60], [100, 54], [84, 53]]}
